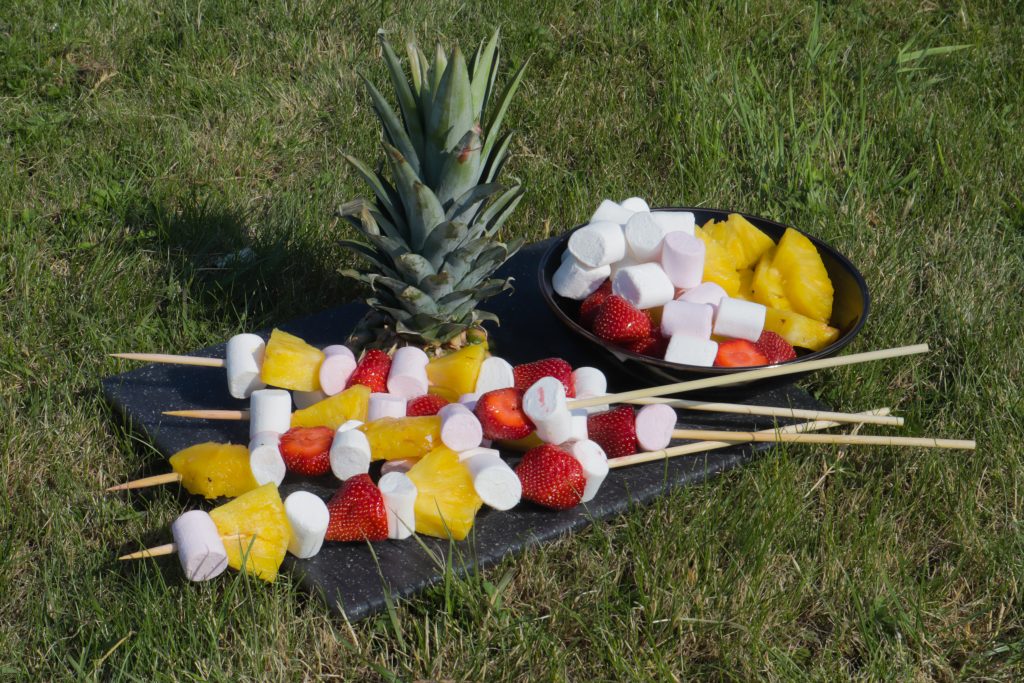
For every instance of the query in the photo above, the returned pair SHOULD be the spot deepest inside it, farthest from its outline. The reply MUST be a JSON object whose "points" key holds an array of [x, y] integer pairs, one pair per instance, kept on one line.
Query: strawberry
{"points": [[775, 348], [655, 345], [357, 512], [551, 477], [614, 430], [372, 371], [307, 450], [739, 353], [528, 373], [427, 404], [501, 415], [618, 320], [588, 309]]}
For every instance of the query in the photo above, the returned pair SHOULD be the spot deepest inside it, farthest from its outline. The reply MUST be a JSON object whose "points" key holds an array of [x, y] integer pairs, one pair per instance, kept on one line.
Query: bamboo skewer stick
{"points": [[171, 359], [772, 411], [849, 439], [171, 548], [155, 480], [210, 414]]}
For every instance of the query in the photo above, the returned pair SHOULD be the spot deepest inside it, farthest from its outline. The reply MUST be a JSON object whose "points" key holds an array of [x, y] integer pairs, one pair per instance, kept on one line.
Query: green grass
{"points": [[139, 142]]}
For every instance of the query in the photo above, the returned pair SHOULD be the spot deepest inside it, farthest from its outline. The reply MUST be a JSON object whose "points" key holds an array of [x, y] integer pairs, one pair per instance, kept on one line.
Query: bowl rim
{"points": [[548, 293]]}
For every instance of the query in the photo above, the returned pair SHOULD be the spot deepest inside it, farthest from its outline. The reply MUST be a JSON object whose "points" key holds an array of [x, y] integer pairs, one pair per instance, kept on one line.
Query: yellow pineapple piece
{"points": [[456, 372], [744, 242], [524, 444], [291, 363], [259, 521], [336, 410], [718, 264], [767, 286], [446, 394], [746, 291], [804, 278], [446, 502], [396, 438], [799, 330], [214, 470]]}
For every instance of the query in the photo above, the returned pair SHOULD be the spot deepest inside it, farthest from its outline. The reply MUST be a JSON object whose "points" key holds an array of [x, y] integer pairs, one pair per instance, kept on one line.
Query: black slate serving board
{"points": [[347, 576]]}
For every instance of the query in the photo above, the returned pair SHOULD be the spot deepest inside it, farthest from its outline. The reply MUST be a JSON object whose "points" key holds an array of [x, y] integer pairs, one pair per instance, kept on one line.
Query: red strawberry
{"points": [[372, 371], [775, 348], [654, 345], [739, 353], [614, 430], [551, 477], [501, 415], [528, 373], [588, 309], [357, 512], [427, 404], [618, 320], [307, 450]]}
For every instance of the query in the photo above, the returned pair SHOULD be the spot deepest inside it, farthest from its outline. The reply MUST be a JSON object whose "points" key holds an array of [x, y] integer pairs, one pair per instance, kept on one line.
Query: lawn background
{"points": [[142, 141]]}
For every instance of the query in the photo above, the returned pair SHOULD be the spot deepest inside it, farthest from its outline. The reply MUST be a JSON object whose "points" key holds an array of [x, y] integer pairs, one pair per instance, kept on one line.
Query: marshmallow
{"points": [[611, 212], [643, 237], [265, 461], [308, 516], [402, 466], [459, 427], [469, 400], [682, 257], [691, 351], [685, 318], [635, 204], [598, 244], [304, 399], [544, 403], [350, 453], [337, 366], [200, 549], [579, 424], [399, 493], [576, 281], [479, 450], [739, 319], [589, 382], [349, 424], [270, 410], [674, 221], [705, 293], [624, 262], [385, 405], [654, 425], [494, 481], [243, 359], [408, 375], [495, 373], [644, 286], [595, 466]]}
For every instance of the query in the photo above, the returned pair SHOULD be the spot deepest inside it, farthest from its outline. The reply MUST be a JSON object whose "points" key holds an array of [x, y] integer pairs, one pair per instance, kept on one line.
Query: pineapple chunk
{"points": [[746, 284], [214, 470], [804, 278], [446, 502], [291, 363], [718, 264], [767, 283], [397, 438], [799, 330], [336, 410], [456, 372], [258, 519], [524, 444], [744, 242]]}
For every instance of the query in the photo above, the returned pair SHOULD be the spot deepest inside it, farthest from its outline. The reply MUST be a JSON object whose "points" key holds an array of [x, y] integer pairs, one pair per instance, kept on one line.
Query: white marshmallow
{"points": [[575, 281], [408, 374], [265, 459], [598, 244], [595, 466], [654, 425], [675, 221], [635, 204], [337, 366], [682, 258], [494, 481], [243, 360], [200, 548], [308, 516], [683, 317], [399, 495], [479, 450], [624, 262], [400, 466], [589, 382], [643, 237], [349, 424], [385, 405], [545, 404], [705, 293], [739, 319], [304, 399], [338, 350], [691, 351], [495, 373], [579, 424], [459, 427], [469, 400], [350, 453], [611, 212], [644, 286], [270, 410]]}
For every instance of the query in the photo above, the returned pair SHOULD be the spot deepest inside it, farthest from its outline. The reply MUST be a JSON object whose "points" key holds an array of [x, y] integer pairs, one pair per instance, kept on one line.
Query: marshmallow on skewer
{"points": [[611, 212], [685, 318], [654, 425], [402, 465], [270, 410], [243, 359], [350, 453], [691, 351], [304, 399], [460, 428], [265, 461], [469, 400], [598, 244], [308, 517], [595, 466], [495, 373], [546, 406], [337, 366], [740, 319], [637, 204], [644, 286], [708, 293], [589, 382], [494, 481], [385, 405], [643, 237], [573, 280], [682, 257], [399, 493], [408, 375], [200, 549], [675, 221]]}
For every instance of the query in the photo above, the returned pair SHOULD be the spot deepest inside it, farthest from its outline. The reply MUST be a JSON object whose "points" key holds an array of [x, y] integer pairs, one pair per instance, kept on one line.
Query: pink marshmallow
{"points": [[683, 317], [682, 257], [335, 370], [385, 405], [705, 293], [654, 425], [460, 428], [408, 374], [691, 351], [740, 319]]}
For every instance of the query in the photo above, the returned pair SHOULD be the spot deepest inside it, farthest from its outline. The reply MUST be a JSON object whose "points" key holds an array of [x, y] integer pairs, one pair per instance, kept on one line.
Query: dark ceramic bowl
{"points": [[849, 313]]}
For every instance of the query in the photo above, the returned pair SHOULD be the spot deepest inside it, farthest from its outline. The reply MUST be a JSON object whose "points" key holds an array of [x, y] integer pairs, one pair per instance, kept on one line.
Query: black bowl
{"points": [[849, 313]]}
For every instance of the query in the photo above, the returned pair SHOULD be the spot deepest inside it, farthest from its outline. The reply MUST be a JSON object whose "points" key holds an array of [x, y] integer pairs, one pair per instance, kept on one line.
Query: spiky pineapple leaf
{"points": [[394, 132], [461, 170], [494, 125], [482, 74], [422, 209], [470, 202], [404, 94]]}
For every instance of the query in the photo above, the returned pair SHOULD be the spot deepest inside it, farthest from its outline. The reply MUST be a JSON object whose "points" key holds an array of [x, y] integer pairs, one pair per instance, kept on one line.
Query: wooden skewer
{"points": [[772, 411], [749, 376], [702, 446], [210, 414], [171, 359], [849, 439], [155, 480], [171, 548]]}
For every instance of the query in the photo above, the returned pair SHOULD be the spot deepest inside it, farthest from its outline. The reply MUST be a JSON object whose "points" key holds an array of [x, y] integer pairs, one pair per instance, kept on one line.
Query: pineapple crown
{"points": [[429, 231]]}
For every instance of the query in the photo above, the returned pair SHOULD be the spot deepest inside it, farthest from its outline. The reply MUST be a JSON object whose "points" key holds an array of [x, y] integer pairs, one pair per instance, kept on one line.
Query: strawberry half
{"points": [[357, 512], [618, 320], [739, 353], [501, 415], [372, 371], [427, 404], [527, 374], [775, 348], [551, 477], [588, 309], [614, 430], [307, 450]]}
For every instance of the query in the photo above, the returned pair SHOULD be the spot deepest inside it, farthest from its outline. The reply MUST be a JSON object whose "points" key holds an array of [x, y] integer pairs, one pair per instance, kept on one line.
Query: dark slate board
{"points": [[346, 575]]}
